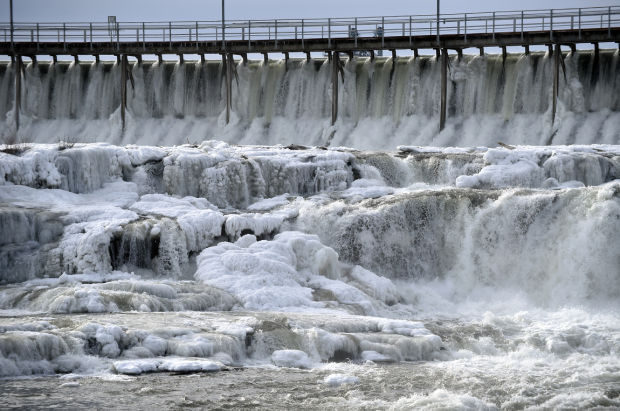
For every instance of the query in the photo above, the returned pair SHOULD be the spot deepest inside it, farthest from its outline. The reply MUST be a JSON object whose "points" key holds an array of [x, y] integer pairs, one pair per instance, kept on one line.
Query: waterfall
{"points": [[383, 103]]}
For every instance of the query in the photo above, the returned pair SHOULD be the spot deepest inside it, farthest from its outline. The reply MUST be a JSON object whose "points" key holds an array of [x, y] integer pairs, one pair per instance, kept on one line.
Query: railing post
{"points": [[493, 25], [438, 22], [329, 33], [458, 27], [137, 35], [196, 34], [170, 34], [410, 40], [143, 37], [465, 26], [356, 32], [295, 32], [117, 37], [302, 34], [249, 34], [189, 35], [64, 36], [382, 32], [32, 36], [403, 29], [609, 22], [579, 24], [90, 28], [514, 25], [521, 25], [163, 35], [551, 24], [276, 33], [572, 22], [37, 36]]}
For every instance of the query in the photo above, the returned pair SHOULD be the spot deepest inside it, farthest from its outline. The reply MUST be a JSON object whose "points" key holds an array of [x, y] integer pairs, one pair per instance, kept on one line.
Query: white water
{"points": [[475, 278], [383, 104]]}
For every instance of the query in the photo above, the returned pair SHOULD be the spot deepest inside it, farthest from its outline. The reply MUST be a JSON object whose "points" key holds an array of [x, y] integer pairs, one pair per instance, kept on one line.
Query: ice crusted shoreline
{"points": [[339, 263]]}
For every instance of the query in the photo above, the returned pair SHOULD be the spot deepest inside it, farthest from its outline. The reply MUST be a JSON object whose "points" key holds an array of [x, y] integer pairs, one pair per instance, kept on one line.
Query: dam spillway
{"points": [[210, 235], [383, 103]]}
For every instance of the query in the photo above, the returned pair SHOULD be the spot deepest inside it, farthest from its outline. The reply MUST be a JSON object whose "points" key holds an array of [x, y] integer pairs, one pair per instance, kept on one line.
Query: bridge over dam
{"points": [[349, 95]]}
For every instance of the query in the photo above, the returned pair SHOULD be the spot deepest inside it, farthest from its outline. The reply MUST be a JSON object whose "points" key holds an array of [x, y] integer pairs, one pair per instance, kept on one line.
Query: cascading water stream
{"points": [[383, 103]]}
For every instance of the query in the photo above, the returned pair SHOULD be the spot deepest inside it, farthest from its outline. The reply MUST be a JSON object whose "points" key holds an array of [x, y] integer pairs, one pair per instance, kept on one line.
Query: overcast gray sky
{"points": [[164, 10]]}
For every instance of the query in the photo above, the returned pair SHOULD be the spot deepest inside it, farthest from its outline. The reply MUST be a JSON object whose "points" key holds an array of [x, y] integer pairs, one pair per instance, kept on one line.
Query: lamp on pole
{"points": [[11, 7], [437, 22], [223, 28]]}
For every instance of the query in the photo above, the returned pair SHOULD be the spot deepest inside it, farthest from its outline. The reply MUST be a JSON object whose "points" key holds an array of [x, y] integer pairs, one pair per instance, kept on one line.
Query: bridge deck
{"points": [[449, 41], [451, 31]]}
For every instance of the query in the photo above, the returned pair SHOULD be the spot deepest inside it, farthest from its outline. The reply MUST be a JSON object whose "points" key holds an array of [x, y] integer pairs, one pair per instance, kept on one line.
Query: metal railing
{"points": [[280, 30]]}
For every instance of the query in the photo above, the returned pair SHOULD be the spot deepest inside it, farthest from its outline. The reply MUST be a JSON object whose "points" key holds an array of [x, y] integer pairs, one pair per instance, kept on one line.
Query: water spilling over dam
{"points": [[383, 103]]}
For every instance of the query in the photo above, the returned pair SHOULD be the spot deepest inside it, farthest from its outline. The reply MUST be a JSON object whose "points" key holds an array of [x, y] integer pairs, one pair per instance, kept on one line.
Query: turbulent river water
{"points": [[218, 274]]}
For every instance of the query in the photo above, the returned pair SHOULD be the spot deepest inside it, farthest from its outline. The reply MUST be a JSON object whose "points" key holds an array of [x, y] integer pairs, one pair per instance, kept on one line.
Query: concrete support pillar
{"points": [[308, 56], [123, 89], [265, 58], [335, 62], [229, 74], [527, 49], [415, 53], [556, 76], [18, 90], [444, 88], [481, 50]]}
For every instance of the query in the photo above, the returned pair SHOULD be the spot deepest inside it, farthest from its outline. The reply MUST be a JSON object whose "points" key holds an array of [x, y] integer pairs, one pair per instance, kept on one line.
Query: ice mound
{"points": [[545, 167], [294, 271], [178, 365], [336, 380], [291, 359]]}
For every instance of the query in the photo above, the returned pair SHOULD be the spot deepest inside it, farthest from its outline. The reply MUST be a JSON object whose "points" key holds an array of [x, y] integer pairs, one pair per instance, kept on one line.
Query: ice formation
{"points": [[478, 264], [383, 102]]}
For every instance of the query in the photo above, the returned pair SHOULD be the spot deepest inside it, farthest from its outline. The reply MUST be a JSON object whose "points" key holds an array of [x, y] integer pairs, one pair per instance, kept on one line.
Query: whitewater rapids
{"points": [[476, 278]]}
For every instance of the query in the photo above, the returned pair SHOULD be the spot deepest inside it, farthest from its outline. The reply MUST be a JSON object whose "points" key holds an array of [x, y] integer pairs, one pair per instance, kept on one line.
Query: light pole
{"points": [[437, 22], [223, 28], [11, 7]]}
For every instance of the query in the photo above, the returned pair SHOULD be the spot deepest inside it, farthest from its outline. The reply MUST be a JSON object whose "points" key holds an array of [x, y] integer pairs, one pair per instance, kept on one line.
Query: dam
{"points": [[330, 229], [489, 99]]}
